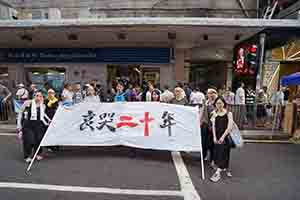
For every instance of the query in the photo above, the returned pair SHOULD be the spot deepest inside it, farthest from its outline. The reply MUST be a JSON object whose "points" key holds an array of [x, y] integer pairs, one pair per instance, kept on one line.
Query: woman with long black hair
{"points": [[222, 123], [32, 122]]}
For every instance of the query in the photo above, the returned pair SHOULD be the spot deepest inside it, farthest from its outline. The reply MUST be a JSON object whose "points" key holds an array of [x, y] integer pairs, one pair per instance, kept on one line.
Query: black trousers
{"points": [[33, 132], [207, 141]]}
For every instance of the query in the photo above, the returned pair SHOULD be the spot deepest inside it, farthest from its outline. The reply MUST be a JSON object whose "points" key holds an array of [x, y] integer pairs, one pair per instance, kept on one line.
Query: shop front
{"points": [[106, 65]]}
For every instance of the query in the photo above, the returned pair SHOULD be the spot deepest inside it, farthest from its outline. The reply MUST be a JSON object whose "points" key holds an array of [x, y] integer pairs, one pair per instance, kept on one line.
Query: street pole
{"points": [[259, 77]]}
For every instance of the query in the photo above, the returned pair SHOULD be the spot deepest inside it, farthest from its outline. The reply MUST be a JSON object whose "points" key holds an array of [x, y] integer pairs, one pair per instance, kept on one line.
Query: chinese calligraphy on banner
{"points": [[148, 125]]}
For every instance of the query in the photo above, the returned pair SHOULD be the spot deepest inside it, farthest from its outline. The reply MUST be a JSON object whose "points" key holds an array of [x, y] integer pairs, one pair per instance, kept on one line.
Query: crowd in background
{"points": [[219, 110]]}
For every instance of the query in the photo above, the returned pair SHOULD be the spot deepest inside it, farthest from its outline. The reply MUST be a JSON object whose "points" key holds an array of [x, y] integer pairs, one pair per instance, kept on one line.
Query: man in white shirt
{"points": [[197, 97], [240, 95], [240, 101], [167, 95]]}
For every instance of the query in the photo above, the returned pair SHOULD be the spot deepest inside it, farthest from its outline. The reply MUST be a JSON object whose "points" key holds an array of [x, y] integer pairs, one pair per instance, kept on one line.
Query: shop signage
{"points": [[90, 55]]}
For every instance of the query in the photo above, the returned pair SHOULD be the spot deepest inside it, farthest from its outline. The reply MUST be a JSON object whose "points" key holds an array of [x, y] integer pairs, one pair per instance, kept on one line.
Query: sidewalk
{"points": [[8, 127], [264, 135]]}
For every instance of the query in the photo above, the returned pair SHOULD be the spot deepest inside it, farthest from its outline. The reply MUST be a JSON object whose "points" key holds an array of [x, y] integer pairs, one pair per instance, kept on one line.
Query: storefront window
{"points": [[55, 77]]}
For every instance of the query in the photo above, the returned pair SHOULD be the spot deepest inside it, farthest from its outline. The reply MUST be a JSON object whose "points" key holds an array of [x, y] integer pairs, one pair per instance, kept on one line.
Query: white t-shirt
{"points": [[197, 98], [67, 95], [148, 96], [92, 99], [240, 97], [166, 96], [22, 93]]}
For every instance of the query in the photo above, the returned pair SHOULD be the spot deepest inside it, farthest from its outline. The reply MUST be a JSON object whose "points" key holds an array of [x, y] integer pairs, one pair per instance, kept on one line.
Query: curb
{"points": [[269, 141]]}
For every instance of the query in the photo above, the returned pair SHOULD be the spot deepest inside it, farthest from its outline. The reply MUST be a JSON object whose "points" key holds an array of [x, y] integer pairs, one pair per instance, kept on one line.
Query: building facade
{"points": [[161, 41]]}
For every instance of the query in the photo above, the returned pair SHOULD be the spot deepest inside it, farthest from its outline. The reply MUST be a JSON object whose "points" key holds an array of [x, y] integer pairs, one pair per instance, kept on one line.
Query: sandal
{"points": [[216, 177]]}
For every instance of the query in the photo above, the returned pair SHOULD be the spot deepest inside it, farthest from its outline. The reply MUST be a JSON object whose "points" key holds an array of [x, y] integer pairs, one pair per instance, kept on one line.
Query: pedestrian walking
{"points": [[222, 123], [32, 121]]}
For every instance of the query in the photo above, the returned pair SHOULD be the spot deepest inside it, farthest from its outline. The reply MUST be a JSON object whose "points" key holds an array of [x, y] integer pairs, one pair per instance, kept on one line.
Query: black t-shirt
{"points": [[286, 95]]}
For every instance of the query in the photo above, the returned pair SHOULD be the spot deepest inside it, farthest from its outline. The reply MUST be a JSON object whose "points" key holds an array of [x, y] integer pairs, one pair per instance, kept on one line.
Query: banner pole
{"points": [[33, 159], [201, 155], [201, 149], [37, 151]]}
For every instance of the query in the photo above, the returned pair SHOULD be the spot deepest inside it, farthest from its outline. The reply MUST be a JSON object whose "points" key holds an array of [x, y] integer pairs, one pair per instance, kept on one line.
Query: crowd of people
{"points": [[216, 120]]}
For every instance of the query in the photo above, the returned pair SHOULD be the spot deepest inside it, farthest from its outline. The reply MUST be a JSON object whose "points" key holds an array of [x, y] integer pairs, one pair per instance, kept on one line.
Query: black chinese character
{"points": [[167, 120], [105, 119], [88, 121]]}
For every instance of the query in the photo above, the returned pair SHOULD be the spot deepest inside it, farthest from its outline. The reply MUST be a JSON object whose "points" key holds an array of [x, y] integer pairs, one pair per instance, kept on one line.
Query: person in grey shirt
{"points": [[4, 96]]}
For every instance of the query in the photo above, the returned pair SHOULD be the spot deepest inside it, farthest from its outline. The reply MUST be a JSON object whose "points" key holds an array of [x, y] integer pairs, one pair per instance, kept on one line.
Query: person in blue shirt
{"points": [[120, 95]]}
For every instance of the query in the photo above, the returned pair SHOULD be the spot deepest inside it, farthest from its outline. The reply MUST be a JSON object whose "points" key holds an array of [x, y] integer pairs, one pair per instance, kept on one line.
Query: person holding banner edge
{"points": [[31, 126], [206, 126], [222, 123]]}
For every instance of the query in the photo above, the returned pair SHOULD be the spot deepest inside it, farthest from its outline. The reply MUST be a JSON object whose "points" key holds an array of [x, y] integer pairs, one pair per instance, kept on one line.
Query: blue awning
{"points": [[293, 79]]}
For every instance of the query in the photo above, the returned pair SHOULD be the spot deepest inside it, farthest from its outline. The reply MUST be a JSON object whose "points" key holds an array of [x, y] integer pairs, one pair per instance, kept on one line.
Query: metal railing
{"points": [[258, 116]]}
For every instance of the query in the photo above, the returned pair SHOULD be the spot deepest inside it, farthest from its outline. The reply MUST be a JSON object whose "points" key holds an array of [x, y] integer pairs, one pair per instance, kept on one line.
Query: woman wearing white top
{"points": [[91, 96], [67, 94]]}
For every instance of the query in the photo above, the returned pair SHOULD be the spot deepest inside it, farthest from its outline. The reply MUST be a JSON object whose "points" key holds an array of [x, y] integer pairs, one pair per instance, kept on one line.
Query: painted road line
{"points": [[185, 180], [90, 189]]}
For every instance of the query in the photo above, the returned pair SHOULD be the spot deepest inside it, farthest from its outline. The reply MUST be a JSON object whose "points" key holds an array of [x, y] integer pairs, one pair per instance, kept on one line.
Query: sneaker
{"points": [[39, 158], [216, 177], [228, 174], [28, 160], [213, 166]]}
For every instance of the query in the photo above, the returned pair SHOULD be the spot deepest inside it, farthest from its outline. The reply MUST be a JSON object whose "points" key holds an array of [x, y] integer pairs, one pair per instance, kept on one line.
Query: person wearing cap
{"points": [[206, 126], [22, 94]]}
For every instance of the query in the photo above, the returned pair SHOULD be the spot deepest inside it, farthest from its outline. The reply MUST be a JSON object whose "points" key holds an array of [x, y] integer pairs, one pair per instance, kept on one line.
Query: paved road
{"points": [[261, 171]]}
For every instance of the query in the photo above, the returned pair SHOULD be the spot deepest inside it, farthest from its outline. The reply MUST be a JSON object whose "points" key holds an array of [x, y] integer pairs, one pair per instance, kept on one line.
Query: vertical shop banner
{"points": [[148, 125]]}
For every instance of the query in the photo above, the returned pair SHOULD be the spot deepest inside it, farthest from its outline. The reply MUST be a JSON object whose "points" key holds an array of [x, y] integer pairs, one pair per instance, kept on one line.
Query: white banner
{"points": [[147, 125]]}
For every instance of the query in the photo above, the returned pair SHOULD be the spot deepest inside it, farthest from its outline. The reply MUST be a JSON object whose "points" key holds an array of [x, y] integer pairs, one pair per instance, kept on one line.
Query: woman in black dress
{"points": [[222, 122]]}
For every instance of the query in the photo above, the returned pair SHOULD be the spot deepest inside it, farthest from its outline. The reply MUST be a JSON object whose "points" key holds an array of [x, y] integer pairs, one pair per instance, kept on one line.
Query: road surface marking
{"points": [[186, 184], [90, 189]]}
